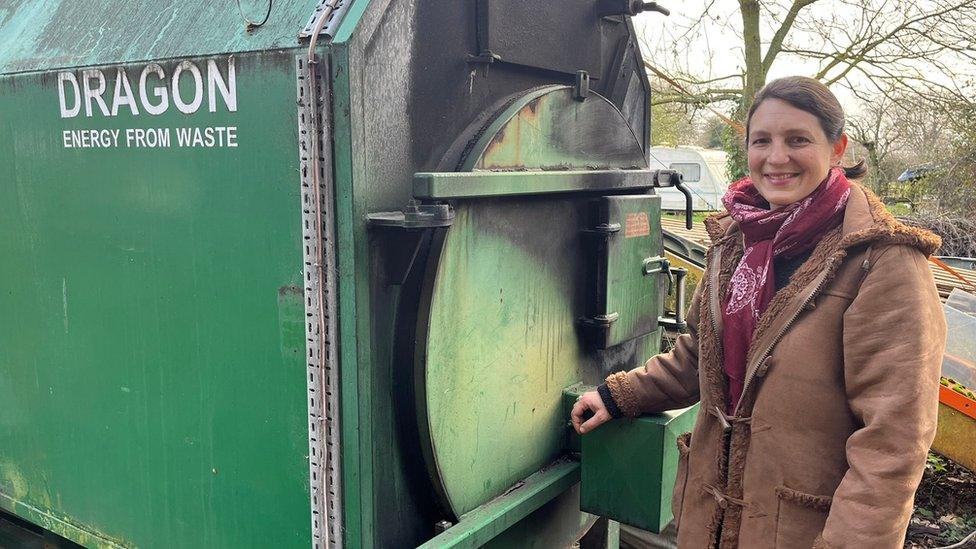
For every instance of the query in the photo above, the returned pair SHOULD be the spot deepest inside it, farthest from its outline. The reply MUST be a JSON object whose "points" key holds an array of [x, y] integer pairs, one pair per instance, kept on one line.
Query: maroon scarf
{"points": [[784, 232]]}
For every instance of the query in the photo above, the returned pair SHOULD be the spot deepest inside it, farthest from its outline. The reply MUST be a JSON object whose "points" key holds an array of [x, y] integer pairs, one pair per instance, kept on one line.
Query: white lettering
{"points": [[158, 91], [210, 136], [151, 138], [194, 104], [62, 100], [96, 93], [183, 136], [122, 86], [66, 139], [228, 88], [91, 89]]}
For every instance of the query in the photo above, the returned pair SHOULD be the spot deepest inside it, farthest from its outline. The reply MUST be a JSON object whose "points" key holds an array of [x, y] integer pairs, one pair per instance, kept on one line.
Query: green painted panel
{"points": [[629, 467], [352, 281], [151, 319], [548, 129], [447, 185], [631, 288], [47, 34], [503, 342], [501, 522], [503, 339]]}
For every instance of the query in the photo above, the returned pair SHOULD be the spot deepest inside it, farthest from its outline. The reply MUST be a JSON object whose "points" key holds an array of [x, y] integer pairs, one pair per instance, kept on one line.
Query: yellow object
{"points": [[955, 435]]}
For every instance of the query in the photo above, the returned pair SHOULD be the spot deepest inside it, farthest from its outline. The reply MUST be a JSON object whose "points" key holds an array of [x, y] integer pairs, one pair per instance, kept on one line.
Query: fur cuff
{"points": [[623, 394]]}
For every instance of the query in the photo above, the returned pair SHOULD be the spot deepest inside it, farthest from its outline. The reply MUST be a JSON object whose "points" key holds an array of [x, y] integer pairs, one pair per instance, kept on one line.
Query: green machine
{"points": [[325, 279]]}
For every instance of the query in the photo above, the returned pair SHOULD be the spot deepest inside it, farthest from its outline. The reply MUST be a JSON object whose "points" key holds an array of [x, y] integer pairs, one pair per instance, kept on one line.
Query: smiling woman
{"points": [[814, 422], [789, 154], [795, 132]]}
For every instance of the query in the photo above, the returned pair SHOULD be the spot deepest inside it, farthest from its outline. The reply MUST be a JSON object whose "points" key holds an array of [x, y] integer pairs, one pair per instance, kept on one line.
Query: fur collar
{"points": [[866, 223]]}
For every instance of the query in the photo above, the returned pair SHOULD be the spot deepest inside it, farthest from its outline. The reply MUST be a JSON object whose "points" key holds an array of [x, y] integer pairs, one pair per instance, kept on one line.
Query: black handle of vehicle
{"points": [[652, 6], [689, 205], [671, 178], [627, 7]]}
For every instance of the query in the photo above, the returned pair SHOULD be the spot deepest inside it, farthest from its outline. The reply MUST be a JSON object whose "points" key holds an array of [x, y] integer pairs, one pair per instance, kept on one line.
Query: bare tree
{"points": [[868, 46], [896, 49], [935, 136], [880, 134]]}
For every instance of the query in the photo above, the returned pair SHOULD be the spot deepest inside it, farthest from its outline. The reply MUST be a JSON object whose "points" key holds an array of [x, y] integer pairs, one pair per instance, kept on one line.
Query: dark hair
{"points": [[813, 97]]}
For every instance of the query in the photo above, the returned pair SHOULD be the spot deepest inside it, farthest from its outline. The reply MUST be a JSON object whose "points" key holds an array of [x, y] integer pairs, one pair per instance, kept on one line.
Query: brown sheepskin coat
{"points": [[829, 440]]}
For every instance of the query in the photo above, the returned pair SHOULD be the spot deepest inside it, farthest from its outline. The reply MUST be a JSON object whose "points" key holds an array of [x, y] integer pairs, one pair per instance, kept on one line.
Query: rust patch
{"points": [[531, 111], [637, 224]]}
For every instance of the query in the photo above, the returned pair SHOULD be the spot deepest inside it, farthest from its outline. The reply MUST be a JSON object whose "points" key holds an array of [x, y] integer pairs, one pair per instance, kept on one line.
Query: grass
{"points": [[697, 217]]}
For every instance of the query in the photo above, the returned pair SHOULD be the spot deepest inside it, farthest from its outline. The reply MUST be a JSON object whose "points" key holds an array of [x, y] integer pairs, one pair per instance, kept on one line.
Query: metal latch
{"points": [[676, 281], [659, 264]]}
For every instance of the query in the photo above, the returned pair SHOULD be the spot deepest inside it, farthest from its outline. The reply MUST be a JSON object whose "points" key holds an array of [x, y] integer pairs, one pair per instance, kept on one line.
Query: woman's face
{"points": [[789, 154]]}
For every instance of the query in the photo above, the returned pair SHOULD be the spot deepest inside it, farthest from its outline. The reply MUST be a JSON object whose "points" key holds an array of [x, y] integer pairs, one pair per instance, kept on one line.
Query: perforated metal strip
{"points": [[318, 229], [338, 7]]}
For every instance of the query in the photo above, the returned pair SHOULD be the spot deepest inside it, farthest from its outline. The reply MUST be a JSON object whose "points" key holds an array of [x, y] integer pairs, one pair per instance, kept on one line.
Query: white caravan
{"points": [[704, 173]]}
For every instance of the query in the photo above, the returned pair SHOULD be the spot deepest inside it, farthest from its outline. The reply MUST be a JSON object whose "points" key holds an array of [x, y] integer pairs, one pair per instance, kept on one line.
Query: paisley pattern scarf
{"points": [[769, 234]]}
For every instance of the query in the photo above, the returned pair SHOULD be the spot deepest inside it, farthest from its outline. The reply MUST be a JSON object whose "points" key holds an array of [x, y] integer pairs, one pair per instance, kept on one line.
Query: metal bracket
{"points": [[581, 89], [414, 216], [599, 321], [318, 235], [606, 8], [338, 7], [603, 229], [485, 58]]}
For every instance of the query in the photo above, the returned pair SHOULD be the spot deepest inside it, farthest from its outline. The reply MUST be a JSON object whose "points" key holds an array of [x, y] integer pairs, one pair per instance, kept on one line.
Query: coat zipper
{"points": [[713, 299], [822, 280]]}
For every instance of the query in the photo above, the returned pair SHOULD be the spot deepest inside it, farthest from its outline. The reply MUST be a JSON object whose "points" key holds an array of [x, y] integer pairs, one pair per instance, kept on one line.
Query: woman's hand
{"points": [[589, 401]]}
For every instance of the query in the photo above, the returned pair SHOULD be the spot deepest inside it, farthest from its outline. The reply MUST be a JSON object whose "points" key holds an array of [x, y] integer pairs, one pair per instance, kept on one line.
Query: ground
{"points": [[945, 506]]}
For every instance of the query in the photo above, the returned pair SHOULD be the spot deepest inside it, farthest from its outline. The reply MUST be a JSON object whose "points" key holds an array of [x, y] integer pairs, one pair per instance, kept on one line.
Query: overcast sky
{"points": [[715, 49], [719, 50]]}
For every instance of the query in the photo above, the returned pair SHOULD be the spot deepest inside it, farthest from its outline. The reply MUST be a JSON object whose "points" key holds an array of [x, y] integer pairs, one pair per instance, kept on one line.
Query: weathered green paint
{"points": [[629, 467], [354, 370], [480, 526], [15, 534], [548, 129], [207, 447], [452, 185], [153, 373], [631, 277], [56, 526], [503, 338], [613, 534], [558, 523], [503, 342], [50, 34]]}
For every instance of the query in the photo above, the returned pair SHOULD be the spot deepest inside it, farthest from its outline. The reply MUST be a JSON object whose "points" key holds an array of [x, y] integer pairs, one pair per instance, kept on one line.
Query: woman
{"points": [[815, 344]]}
